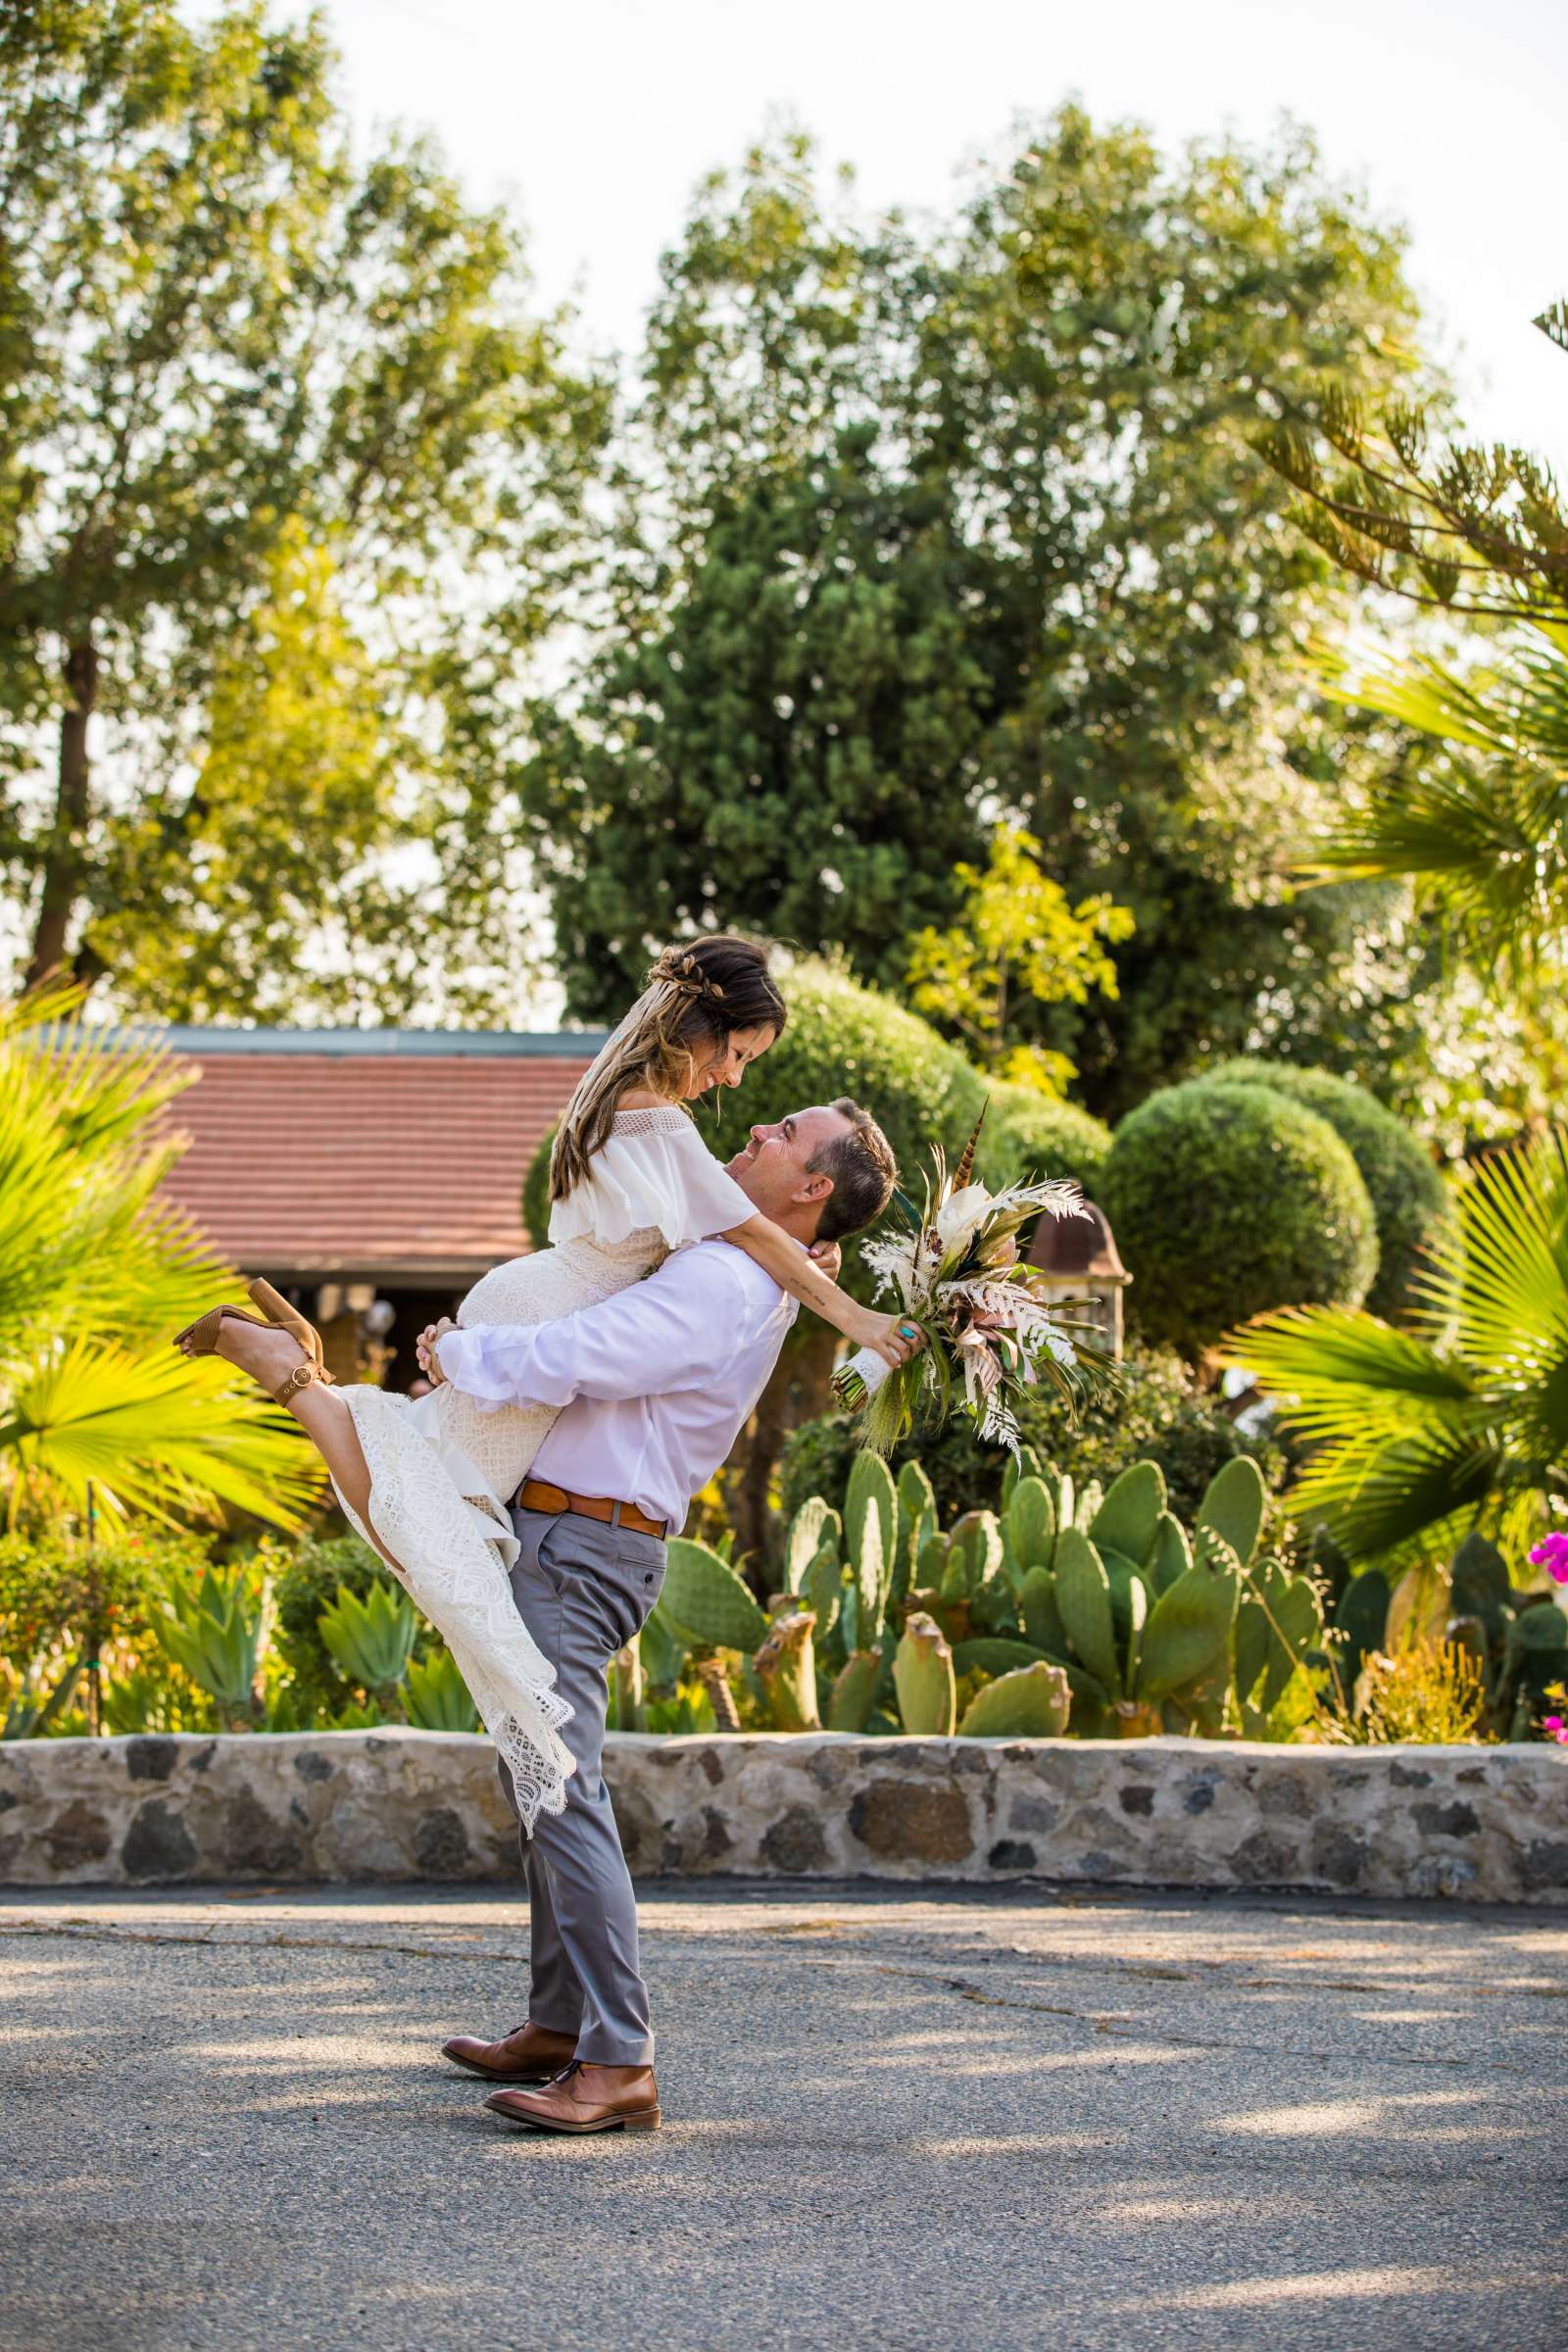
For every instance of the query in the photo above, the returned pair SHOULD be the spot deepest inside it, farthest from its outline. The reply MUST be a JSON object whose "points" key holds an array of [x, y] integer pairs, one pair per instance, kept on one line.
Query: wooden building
{"points": [[370, 1174]]}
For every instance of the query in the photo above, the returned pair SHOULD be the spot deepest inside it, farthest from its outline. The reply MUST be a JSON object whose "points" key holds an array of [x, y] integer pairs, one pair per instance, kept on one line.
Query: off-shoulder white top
{"points": [[654, 1172]]}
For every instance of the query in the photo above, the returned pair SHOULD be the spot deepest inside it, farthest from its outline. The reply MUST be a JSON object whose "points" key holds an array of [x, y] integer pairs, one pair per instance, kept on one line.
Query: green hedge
{"points": [[1154, 1412], [1028, 1137], [1408, 1197], [1229, 1200]]}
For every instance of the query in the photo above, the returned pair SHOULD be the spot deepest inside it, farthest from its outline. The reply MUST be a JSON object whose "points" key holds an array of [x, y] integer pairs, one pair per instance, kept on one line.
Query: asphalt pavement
{"points": [[896, 2119]]}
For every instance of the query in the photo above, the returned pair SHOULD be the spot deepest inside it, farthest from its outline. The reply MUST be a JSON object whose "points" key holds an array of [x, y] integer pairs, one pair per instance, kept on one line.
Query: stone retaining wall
{"points": [[1487, 1824]]}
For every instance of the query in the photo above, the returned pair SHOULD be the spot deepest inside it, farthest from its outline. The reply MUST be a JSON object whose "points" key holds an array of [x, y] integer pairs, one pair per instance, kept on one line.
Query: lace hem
{"points": [[456, 1577]]}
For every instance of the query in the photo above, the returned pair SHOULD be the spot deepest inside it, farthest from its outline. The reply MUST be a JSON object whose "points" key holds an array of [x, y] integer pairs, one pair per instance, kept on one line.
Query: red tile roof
{"points": [[381, 1154]]}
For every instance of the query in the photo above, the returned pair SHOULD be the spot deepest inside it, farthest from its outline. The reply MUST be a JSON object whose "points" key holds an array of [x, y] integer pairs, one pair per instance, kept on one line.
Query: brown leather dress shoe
{"points": [[529, 2054], [585, 2098]]}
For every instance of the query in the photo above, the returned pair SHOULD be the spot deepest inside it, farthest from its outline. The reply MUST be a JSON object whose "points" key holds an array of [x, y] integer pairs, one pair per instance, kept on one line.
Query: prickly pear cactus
{"points": [[1031, 1704], [916, 1525], [786, 1667], [922, 1677], [1279, 1620], [1233, 1505], [707, 1598], [975, 1543], [1025, 1463], [1128, 1520], [813, 1525], [1358, 1623], [1187, 1632], [1083, 1598], [1030, 1524], [853, 1693], [1172, 1554], [824, 1589]]}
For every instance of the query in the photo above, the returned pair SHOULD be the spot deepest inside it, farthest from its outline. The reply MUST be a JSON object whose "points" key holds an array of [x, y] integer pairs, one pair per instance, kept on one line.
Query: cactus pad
{"points": [[707, 1598], [1128, 1520], [1233, 1505], [1083, 1598], [1032, 1704]]}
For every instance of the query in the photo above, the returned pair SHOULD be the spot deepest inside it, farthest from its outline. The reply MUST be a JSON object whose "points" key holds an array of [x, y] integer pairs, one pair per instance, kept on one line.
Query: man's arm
{"points": [[678, 1328]]}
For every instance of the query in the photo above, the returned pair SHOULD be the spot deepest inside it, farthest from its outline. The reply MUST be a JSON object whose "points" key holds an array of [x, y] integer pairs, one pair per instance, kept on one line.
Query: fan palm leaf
{"points": [[1467, 1413], [154, 1433], [95, 1277], [1484, 835]]}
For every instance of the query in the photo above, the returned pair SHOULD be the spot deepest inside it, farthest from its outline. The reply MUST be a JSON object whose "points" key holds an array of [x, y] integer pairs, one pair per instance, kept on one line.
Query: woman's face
{"points": [[728, 1060]]}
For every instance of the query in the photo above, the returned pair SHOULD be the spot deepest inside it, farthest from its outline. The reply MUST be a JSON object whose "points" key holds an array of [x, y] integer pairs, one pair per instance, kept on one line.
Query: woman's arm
{"points": [[784, 1258]]}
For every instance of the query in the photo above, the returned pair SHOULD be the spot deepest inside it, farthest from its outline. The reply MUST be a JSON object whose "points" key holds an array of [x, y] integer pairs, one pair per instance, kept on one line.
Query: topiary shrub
{"points": [[1229, 1200], [842, 1039], [1409, 1200], [536, 1193], [1155, 1412], [1026, 1136]]}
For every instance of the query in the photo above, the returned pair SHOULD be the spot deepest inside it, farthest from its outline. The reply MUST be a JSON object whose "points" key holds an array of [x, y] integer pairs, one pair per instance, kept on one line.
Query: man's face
{"points": [[773, 1169]]}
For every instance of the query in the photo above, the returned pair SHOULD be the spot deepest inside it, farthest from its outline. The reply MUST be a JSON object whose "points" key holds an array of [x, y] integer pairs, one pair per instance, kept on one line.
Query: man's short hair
{"points": [[864, 1172]]}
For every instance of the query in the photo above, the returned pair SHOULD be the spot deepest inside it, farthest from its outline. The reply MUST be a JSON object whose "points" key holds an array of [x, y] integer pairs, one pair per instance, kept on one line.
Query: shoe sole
{"points": [[611, 2122]]}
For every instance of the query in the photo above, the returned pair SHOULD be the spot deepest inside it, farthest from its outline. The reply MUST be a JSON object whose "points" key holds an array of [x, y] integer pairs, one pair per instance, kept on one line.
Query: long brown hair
{"points": [[698, 994]]}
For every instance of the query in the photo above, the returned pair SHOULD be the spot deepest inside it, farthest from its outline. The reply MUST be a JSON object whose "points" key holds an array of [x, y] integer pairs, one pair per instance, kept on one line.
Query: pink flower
{"points": [[1551, 1553], [1555, 1729]]}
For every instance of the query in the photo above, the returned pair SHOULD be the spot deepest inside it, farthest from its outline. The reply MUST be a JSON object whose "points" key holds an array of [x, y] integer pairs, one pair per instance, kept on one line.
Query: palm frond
{"points": [[157, 1433], [1484, 834], [1502, 1269]]}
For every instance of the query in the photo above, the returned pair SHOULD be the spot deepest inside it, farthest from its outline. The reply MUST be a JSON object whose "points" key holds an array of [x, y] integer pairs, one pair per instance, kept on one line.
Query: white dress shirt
{"points": [[655, 1383]]}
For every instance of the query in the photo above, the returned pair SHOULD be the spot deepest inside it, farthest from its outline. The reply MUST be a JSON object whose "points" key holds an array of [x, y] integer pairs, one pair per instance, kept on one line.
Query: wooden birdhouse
{"points": [[1081, 1263]]}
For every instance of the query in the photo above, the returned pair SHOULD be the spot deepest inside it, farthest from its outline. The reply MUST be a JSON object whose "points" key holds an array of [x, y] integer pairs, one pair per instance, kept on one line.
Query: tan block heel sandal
{"points": [[201, 1336]]}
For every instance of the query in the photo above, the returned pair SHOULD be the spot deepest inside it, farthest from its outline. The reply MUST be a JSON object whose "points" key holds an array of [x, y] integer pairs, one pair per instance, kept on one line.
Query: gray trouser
{"points": [[582, 1590]]}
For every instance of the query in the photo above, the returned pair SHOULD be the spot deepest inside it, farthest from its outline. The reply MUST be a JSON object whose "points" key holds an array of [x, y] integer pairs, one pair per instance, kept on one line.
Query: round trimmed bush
{"points": [[1229, 1200], [1026, 1137], [842, 1039], [1409, 1198]]}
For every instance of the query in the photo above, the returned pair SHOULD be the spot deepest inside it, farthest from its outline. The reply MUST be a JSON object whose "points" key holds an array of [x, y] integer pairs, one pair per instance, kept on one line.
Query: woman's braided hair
{"points": [[698, 992]]}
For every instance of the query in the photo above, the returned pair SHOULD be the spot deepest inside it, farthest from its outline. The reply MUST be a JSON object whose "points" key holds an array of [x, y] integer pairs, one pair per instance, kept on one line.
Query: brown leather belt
{"points": [[537, 1495]]}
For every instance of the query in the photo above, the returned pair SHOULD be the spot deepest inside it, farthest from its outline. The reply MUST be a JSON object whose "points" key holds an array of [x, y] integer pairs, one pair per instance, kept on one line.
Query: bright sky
{"points": [[597, 118]]}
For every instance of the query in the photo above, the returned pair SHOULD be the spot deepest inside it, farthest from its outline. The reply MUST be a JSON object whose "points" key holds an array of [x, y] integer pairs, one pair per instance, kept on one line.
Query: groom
{"points": [[656, 1384]]}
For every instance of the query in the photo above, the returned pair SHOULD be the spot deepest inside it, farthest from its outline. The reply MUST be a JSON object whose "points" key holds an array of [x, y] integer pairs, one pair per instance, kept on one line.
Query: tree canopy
{"points": [[928, 530], [282, 449]]}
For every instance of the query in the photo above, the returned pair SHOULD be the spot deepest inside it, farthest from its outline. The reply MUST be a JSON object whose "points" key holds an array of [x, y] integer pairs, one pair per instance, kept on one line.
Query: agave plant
{"points": [[1463, 1417], [95, 1276]]}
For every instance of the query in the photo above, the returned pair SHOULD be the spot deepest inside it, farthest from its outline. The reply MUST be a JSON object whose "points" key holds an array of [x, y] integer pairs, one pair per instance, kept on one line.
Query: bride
{"points": [[427, 1482]]}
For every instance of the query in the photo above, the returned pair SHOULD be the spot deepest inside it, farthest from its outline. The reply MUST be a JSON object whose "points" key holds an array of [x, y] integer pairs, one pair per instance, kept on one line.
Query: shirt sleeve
{"points": [[687, 1319]]}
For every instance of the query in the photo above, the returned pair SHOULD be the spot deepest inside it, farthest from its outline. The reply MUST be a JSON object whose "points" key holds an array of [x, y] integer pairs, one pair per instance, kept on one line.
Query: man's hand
{"points": [[424, 1349], [828, 1257]]}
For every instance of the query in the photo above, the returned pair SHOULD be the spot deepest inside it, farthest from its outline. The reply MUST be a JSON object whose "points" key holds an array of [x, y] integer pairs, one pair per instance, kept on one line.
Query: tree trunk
{"points": [[797, 1392], [64, 857]]}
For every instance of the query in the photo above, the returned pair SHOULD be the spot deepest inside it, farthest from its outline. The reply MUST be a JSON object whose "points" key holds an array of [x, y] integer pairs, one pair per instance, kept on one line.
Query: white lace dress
{"points": [[442, 1468]]}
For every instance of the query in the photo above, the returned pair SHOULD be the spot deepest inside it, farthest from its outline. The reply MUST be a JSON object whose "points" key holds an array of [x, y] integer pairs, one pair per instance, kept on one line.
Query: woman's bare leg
{"points": [[270, 1355]]}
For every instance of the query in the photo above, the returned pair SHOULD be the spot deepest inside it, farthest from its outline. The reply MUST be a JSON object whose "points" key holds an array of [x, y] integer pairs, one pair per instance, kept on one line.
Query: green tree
{"points": [[1018, 941], [94, 1277], [924, 532], [258, 408]]}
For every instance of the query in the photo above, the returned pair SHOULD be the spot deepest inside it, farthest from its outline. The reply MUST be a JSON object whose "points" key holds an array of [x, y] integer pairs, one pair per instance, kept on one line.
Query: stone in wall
{"points": [[1487, 1824]]}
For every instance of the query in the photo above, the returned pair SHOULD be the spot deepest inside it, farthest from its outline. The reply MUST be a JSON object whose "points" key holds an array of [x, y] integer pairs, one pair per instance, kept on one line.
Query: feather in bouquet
{"points": [[954, 1268]]}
